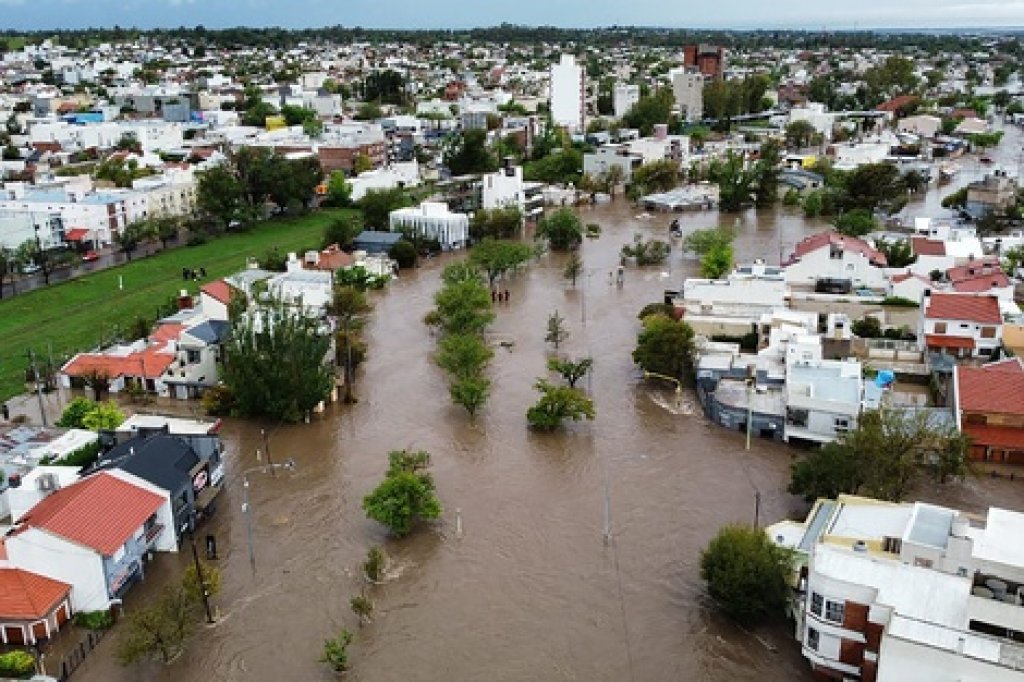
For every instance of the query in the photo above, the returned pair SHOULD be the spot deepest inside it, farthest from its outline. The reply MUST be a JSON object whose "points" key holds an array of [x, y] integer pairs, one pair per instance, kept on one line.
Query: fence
{"points": [[74, 658]]}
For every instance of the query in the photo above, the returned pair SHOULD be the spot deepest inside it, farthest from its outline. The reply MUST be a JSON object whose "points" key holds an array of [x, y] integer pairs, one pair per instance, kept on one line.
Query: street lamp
{"points": [[204, 592], [287, 464], [665, 377]]}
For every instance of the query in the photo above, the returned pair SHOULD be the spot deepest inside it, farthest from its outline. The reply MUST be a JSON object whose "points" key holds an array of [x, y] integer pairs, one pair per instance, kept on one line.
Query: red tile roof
{"points": [[981, 283], [77, 234], [150, 363], [968, 307], [928, 247], [943, 341], [904, 276], [996, 436], [987, 265], [822, 239], [897, 103], [28, 596], [219, 290], [997, 387], [101, 512], [332, 258]]}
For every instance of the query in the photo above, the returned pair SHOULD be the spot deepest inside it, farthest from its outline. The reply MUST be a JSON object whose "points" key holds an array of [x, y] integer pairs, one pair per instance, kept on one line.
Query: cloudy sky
{"points": [[42, 14]]}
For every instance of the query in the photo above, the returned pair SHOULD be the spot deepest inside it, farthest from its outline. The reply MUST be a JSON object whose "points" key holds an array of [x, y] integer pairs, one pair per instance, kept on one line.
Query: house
{"points": [[432, 220], [732, 306], [597, 162], [909, 285], [971, 126], [832, 256], [329, 259], [310, 290], [372, 242], [823, 397], [984, 276], [988, 404], [887, 592], [188, 467], [94, 535], [994, 192], [32, 606], [923, 125], [961, 325]]}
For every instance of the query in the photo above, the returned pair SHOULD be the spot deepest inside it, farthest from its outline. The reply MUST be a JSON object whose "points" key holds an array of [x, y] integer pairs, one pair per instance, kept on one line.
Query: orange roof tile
{"points": [[150, 364], [928, 247], [219, 290], [821, 239], [167, 332], [28, 596], [968, 307], [943, 341], [101, 511], [997, 387]]}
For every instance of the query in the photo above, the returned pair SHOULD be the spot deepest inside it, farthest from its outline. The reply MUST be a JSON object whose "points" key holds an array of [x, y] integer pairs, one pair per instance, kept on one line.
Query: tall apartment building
{"points": [[688, 89], [707, 59], [569, 94], [624, 97], [890, 592]]}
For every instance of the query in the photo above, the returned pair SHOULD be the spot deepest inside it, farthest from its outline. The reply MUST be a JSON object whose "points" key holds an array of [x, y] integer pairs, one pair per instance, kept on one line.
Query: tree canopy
{"points": [[664, 346], [406, 494], [556, 404], [562, 229], [746, 574]]}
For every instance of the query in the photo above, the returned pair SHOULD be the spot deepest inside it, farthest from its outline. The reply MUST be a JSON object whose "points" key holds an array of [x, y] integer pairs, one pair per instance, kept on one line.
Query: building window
{"points": [[834, 611], [922, 563], [796, 417], [817, 603], [892, 545], [940, 328], [813, 637], [842, 424], [988, 332]]}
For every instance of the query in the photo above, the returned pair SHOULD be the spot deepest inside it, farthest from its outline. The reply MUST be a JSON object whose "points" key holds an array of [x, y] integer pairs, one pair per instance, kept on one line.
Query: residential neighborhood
{"points": [[634, 353]]}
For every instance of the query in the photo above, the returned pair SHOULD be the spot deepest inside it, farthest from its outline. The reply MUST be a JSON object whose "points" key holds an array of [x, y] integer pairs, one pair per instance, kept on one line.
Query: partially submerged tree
{"points": [[562, 229], [746, 574], [571, 370], [405, 495], [556, 332], [573, 267], [497, 257], [335, 652], [649, 252], [664, 346], [159, 630], [556, 404]]}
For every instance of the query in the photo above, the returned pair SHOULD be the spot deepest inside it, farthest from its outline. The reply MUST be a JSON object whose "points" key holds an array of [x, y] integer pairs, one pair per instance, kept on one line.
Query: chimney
{"points": [[184, 300]]}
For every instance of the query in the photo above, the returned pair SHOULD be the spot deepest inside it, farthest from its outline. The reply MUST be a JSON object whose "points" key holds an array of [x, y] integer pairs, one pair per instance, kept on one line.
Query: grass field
{"points": [[75, 315]]}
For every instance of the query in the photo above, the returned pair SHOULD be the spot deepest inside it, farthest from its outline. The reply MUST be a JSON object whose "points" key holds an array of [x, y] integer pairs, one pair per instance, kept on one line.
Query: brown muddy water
{"points": [[529, 590]]}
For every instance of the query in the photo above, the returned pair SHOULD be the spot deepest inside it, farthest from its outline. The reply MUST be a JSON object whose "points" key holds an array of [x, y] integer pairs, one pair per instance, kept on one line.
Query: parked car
{"points": [[90, 256], [30, 269]]}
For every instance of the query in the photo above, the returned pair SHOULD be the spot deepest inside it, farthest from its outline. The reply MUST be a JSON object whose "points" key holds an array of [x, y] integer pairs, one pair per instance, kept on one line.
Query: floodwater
{"points": [[529, 590]]}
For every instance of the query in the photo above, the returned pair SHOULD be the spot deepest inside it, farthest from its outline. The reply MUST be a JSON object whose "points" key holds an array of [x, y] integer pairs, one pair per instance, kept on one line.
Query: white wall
{"points": [[567, 94], [38, 551], [903, 661]]}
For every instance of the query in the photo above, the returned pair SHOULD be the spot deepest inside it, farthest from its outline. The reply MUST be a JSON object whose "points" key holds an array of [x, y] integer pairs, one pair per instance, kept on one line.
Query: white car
{"points": [[30, 269]]}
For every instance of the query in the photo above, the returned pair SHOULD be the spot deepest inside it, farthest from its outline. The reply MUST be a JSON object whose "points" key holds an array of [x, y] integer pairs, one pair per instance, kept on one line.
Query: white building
{"points": [[816, 115], [99, 215], [823, 397], [688, 89], [830, 255], [624, 96], [569, 94], [912, 591], [310, 289], [19, 226], [396, 175], [924, 125], [433, 220], [961, 324], [735, 305]]}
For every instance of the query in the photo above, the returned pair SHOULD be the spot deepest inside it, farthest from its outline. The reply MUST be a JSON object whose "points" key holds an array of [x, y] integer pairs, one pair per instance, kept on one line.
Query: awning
{"points": [[942, 341], [77, 234]]}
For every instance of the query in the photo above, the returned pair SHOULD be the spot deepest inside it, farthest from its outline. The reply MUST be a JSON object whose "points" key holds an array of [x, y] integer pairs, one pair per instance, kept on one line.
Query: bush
{"points": [[75, 412], [82, 457], [218, 401], [403, 253], [899, 302], [17, 664], [791, 198], [657, 309], [336, 652], [746, 573], [375, 563], [93, 620]]}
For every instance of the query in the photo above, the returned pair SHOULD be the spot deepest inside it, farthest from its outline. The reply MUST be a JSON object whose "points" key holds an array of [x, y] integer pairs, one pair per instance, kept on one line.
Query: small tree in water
{"points": [[362, 607], [556, 331], [405, 495], [336, 651], [746, 573], [556, 404], [571, 370]]}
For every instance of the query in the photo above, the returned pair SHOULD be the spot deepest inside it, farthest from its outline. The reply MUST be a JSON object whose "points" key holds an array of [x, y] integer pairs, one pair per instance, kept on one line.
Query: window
{"points": [[922, 563], [940, 328], [834, 611], [842, 424], [988, 332], [796, 417], [892, 545], [817, 603], [812, 639]]}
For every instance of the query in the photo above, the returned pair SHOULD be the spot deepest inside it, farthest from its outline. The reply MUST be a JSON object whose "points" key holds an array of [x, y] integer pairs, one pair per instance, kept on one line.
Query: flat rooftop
{"points": [[870, 521], [1002, 541]]}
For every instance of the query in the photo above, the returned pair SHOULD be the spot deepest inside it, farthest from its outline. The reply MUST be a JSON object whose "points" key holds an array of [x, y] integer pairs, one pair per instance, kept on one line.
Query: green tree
{"points": [[468, 154], [349, 305], [405, 495], [560, 167], [335, 652], [746, 573], [362, 163], [342, 231], [705, 240], [555, 331], [899, 253], [464, 307], [275, 363], [855, 223], [471, 392], [656, 176], [386, 86], [463, 355], [664, 346], [75, 412], [571, 370], [362, 607], [562, 229], [496, 223], [158, 630], [339, 191], [130, 236], [377, 205], [649, 111], [882, 457], [495, 257], [556, 404], [404, 253], [166, 229], [735, 182], [874, 186], [104, 416], [650, 252], [573, 267], [220, 195], [799, 134], [296, 116], [717, 262], [766, 172]]}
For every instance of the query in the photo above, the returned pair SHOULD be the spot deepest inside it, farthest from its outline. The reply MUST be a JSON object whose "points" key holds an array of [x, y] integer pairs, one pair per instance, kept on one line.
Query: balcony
{"points": [[152, 533]]}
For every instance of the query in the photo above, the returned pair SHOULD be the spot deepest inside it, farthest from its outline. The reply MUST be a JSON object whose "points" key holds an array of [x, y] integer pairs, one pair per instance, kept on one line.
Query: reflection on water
{"points": [[529, 590]]}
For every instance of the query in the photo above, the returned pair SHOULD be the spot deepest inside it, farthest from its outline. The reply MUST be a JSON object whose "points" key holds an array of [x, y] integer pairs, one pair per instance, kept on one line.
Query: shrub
{"points": [[93, 620], [404, 253], [18, 664], [75, 412], [218, 401], [746, 573], [657, 309], [336, 651], [82, 457], [899, 302], [375, 563]]}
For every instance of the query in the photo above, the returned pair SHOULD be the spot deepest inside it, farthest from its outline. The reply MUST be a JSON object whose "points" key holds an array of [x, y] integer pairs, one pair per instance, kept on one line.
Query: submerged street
{"points": [[529, 590]]}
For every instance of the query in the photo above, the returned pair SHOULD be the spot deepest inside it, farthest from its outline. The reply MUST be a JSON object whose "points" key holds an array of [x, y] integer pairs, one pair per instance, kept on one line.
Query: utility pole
{"points": [[39, 387], [203, 591], [266, 448], [757, 508]]}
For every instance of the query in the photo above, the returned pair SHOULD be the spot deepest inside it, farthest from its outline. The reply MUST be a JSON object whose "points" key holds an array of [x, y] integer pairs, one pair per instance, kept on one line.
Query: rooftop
{"points": [[28, 596], [983, 309], [1000, 542], [996, 387]]}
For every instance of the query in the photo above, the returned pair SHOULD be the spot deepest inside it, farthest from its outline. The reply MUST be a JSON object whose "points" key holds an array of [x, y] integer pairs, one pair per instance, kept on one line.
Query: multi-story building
{"points": [[888, 592], [688, 89], [569, 94], [709, 60], [624, 96], [19, 226], [962, 325]]}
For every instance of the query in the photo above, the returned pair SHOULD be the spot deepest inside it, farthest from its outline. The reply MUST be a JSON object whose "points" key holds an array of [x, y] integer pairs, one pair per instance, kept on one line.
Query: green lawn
{"points": [[75, 315]]}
